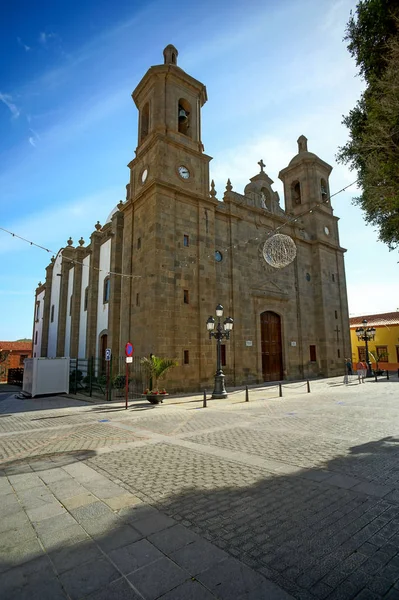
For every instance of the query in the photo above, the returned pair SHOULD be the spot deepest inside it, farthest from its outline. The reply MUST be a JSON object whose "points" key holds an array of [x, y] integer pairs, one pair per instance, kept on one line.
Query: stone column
{"points": [[91, 331], [114, 306], [47, 307], [80, 253], [67, 258]]}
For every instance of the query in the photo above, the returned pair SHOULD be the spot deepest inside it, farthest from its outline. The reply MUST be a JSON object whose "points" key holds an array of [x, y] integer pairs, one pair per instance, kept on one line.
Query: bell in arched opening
{"points": [[183, 115]]}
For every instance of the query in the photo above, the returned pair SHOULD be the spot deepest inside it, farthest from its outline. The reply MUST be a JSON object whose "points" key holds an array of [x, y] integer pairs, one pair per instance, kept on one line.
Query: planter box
{"points": [[155, 398]]}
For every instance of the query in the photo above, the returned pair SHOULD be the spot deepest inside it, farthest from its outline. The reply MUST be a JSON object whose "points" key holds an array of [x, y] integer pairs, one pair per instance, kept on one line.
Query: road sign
{"points": [[129, 350], [108, 354], [129, 359]]}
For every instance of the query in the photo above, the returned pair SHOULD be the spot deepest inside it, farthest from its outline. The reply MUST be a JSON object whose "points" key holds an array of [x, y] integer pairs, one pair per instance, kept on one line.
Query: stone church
{"points": [[173, 250]]}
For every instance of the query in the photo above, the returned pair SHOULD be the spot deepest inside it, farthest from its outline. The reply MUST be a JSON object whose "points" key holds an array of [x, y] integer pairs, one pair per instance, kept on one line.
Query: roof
{"points": [[383, 319], [16, 346]]}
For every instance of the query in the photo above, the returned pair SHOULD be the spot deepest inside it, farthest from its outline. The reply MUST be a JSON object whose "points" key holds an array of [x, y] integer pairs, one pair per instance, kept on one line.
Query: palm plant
{"points": [[157, 367]]}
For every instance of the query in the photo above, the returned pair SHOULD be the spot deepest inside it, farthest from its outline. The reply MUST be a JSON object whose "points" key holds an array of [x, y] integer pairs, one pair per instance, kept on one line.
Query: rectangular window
{"points": [[52, 314], [137, 299], [339, 353], [186, 241], [336, 314], [22, 359], [333, 277], [86, 301], [70, 305], [107, 287], [382, 353], [37, 311], [312, 350], [186, 299], [186, 359], [138, 243], [223, 354], [361, 352], [35, 338]]}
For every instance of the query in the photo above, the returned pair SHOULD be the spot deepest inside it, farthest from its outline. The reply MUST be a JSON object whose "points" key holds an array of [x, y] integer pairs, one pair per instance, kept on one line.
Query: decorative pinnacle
{"points": [[70, 242], [81, 242], [98, 226], [212, 192], [120, 205], [229, 187], [39, 284], [53, 259]]}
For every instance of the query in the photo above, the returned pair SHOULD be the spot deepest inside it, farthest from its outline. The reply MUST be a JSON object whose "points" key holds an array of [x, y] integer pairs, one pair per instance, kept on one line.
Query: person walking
{"points": [[349, 366], [360, 370]]}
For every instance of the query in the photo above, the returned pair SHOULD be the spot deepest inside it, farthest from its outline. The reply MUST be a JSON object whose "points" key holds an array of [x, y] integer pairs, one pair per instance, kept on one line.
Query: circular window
{"points": [[218, 256], [307, 276], [326, 230], [144, 175]]}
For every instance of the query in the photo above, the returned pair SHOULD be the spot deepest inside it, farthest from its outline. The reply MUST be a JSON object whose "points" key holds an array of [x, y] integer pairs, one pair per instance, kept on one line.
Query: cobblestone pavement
{"points": [[303, 489]]}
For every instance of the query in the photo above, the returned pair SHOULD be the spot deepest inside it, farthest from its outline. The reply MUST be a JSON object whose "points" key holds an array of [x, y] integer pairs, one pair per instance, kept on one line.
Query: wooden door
{"points": [[272, 355]]}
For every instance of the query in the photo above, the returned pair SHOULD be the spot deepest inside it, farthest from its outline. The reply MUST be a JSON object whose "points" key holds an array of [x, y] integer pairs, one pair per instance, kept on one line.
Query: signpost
{"points": [[129, 351], [108, 360]]}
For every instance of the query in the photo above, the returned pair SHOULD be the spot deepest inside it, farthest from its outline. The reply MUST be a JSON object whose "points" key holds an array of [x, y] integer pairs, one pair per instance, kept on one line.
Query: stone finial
{"points": [[229, 187], [52, 260], [302, 143], [81, 242], [170, 55], [97, 226], [39, 284], [212, 191], [262, 165], [120, 204], [70, 242]]}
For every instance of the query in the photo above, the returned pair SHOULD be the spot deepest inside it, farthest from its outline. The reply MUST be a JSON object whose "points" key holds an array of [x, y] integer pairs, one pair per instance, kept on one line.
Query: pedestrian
{"points": [[359, 370], [364, 371], [349, 366]]}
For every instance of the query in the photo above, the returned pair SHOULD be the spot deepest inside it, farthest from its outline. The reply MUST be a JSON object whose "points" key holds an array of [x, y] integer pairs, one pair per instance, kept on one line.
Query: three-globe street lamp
{"points": [[222, 331], [366, 334]]}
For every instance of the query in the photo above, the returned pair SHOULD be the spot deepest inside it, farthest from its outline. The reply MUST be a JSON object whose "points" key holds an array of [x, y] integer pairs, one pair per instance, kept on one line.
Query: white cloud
{"points": [[8, 101], [21, 43], [45, 37], [31, 140]]}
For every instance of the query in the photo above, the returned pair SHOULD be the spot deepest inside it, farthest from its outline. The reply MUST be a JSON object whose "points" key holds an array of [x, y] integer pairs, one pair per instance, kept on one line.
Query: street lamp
{"points": [[366, 334], [222, 331]]}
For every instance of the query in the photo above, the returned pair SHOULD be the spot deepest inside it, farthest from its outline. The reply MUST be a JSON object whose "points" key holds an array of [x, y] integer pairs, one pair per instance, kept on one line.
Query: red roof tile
{"points": [[16, 346], [383, 319]]}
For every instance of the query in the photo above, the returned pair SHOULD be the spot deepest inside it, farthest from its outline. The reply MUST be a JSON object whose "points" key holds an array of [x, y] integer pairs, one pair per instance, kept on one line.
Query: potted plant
{"points": [[156, 368]]}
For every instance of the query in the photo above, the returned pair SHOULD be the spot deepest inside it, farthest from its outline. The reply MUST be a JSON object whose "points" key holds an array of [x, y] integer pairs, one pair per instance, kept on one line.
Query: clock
{"points": [[183, 172], [326, 230], [144, 176]]}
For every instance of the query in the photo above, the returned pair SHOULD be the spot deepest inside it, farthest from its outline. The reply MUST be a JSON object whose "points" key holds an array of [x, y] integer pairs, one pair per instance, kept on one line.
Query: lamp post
{"points": [[222, 331], [366, 334]]}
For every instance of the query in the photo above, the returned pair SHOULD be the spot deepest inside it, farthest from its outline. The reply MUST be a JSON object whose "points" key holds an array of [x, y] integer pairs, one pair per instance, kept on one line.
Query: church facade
{"points": [[173, 250]]}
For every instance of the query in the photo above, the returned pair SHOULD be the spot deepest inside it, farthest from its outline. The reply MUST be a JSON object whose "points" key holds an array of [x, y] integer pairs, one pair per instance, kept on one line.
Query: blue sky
{"points": [[273, 71]]}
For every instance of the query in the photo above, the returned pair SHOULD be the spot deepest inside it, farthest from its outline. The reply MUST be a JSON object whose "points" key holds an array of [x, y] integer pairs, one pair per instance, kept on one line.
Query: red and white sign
{"points": [[129, 349]]}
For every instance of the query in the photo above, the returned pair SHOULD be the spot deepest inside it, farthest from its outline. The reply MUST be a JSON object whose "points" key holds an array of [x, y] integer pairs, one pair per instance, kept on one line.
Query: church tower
{"points": [[168, 222]]}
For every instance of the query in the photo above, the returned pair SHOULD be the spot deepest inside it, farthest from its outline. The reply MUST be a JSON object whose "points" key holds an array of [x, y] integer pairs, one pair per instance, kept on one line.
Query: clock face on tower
{"points": [[183, 172]]}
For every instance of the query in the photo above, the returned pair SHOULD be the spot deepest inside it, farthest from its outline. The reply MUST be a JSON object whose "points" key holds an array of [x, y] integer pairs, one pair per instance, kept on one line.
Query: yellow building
{"points": [[384, 349]]}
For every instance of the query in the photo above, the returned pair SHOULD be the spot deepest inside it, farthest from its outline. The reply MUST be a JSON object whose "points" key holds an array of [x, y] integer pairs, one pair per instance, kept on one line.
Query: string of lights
{"points": [[288, 221]]}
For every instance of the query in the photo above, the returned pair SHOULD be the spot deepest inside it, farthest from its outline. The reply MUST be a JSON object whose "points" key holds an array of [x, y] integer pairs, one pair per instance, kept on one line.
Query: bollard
{"points": [[375, 376], [387, 373], [280, 390], [246, 394], [204, 402], [308, 385]]}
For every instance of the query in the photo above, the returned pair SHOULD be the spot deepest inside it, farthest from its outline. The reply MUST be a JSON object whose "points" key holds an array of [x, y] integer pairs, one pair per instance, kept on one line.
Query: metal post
{"points": [[387, 374], [246, 394], [204, 401], [375, 375], [219, 388], [91, 366], [308, 386], [76, 377], [368, 363], [280, 390], [107, 390], [127, 383]]}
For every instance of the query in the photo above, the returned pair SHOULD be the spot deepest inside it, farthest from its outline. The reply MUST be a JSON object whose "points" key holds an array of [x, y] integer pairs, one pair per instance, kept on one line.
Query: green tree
{"points": [[157, 367], [373, 145]]}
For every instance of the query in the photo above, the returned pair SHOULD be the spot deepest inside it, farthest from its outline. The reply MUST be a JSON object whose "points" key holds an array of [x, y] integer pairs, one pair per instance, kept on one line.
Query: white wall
{"points": [[67, 346], [38, 325], [102, 309], [55, 300], [83, 312]]}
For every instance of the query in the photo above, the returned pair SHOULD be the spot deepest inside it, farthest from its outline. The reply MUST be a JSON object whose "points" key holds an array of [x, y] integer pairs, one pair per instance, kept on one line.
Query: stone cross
{"points": [[337, 332], [261, 164]]}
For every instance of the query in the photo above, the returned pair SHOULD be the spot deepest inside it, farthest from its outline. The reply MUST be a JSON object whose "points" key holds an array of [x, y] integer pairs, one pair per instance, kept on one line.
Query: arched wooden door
{"points": [[272, 352]]}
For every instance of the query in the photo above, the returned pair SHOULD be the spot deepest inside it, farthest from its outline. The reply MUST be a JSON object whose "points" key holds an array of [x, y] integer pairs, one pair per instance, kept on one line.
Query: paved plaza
{"points": [[276, 498]]}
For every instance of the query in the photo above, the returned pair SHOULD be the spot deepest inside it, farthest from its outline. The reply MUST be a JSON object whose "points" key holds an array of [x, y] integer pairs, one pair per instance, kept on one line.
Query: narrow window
{"points": [[35, 338], [296, 192], [382, 353], [333, 277], [37, 311], [144, 121], [186, 297], [186, 240], [336, 314], [339, 353], [223, 354], [70, 305], [52, 314], [186, 359], [361, 351], [312, 350], [184, 117], [106, 291], [323, 190], [86, 301], [137, 299], [138, 243]]}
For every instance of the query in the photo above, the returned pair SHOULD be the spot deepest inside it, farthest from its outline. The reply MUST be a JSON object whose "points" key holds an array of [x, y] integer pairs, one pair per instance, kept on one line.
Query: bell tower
{"points": [[169, 148]]}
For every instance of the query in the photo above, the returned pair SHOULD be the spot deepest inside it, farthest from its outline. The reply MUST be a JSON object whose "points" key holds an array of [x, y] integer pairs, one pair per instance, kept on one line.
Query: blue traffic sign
{"points": [[108, 354]]}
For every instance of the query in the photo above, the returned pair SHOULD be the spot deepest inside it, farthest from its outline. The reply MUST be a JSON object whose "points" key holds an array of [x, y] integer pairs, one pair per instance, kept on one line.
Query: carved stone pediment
{"points": [[270, 289]]}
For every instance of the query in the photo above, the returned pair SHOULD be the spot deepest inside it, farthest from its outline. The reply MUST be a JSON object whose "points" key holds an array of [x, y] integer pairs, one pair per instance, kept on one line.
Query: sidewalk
{"points": [[67, 531]]}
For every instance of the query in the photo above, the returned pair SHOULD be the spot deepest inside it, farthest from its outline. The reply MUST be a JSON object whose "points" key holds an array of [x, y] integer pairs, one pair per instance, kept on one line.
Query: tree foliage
{"points": [[373, 145], [157, 367]]}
